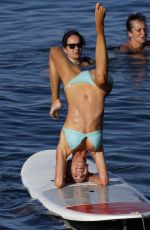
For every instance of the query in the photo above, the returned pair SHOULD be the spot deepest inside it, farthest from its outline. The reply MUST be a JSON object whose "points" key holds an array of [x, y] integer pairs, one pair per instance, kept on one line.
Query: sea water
{"points": [[28, 29]]}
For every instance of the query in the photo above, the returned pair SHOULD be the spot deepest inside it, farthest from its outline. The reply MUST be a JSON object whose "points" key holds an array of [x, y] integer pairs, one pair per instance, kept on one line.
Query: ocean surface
{"points": [[28, 29]]}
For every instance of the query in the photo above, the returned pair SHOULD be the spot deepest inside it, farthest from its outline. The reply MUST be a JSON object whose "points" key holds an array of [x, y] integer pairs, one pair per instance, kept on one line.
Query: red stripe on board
{"points": [[112, 208]]}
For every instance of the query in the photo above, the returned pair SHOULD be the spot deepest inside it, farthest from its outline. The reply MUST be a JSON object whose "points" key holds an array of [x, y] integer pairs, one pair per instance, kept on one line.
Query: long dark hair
{"points": [[70, 33]]}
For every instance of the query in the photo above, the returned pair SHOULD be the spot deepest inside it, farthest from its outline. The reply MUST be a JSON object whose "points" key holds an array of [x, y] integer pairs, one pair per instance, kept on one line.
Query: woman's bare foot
{"points": [[99, 17], [54, 109]]}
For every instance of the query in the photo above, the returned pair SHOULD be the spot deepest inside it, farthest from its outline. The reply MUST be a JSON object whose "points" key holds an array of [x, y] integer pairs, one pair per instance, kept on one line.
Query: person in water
{"points": [[137, 33], [73, 43], [83, 127]]}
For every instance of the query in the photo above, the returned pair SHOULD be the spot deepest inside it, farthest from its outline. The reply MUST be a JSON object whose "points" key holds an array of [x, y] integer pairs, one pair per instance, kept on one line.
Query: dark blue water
{"points": [[28, 29]]}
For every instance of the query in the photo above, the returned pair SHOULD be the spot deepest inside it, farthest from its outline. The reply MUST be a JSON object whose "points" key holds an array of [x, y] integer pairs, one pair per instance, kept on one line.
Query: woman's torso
{"points": [[85, 103]]}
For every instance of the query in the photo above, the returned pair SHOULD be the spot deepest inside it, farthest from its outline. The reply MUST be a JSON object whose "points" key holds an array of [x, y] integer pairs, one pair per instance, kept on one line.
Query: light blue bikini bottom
{"points": [[74, 138]]}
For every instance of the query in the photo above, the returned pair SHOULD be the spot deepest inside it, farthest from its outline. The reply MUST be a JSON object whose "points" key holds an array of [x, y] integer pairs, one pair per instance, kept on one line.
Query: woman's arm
{"points": [[102, 178]]}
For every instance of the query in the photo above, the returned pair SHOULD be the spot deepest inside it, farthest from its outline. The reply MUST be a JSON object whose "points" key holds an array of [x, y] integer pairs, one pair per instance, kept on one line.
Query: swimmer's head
{"points": [[72, 45], [72, 33]]}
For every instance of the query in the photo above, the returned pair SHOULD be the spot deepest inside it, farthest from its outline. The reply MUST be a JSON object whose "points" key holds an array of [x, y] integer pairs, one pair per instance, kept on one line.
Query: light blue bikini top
{"points": [[83, 77]]}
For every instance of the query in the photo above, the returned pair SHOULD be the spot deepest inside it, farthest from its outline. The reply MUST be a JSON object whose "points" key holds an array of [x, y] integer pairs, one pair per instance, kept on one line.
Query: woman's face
{"points": [[75, 52], [79, 170]]}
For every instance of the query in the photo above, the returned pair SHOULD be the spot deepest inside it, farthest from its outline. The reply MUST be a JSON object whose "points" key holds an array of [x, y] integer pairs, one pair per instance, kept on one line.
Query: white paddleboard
{"points": [[81, 201]]}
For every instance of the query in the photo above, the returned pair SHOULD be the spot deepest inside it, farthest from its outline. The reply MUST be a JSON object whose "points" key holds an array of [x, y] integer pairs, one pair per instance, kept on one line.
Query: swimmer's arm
{"points": [[86, 61]]}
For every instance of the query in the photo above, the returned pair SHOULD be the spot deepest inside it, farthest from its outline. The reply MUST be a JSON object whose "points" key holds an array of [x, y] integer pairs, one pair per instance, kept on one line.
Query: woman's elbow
{"points": [[59, 184], [104, 182]]}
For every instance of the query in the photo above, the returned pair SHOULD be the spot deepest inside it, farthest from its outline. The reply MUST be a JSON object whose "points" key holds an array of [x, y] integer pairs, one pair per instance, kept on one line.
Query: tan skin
{"points": [[87, 118], [136, 37], [74, 56]]}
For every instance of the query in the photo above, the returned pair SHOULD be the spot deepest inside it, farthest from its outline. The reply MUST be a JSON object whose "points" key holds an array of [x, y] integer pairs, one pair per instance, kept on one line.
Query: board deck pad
{"points": [[81, 201]]}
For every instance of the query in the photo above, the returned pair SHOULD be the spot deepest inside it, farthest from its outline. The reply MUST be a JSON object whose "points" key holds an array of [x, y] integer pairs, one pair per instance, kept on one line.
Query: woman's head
{"points": [[77, 170], [70, 33], [73, 43]]}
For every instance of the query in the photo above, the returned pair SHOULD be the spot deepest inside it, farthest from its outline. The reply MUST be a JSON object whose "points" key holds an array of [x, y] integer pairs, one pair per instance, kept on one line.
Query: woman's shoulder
{"points": [[86, 61]]}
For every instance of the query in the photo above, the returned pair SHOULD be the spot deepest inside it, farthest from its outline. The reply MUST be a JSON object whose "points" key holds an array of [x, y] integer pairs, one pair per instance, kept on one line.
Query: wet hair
{"points": [[137, 16], [70, 33], [68, 171]]}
